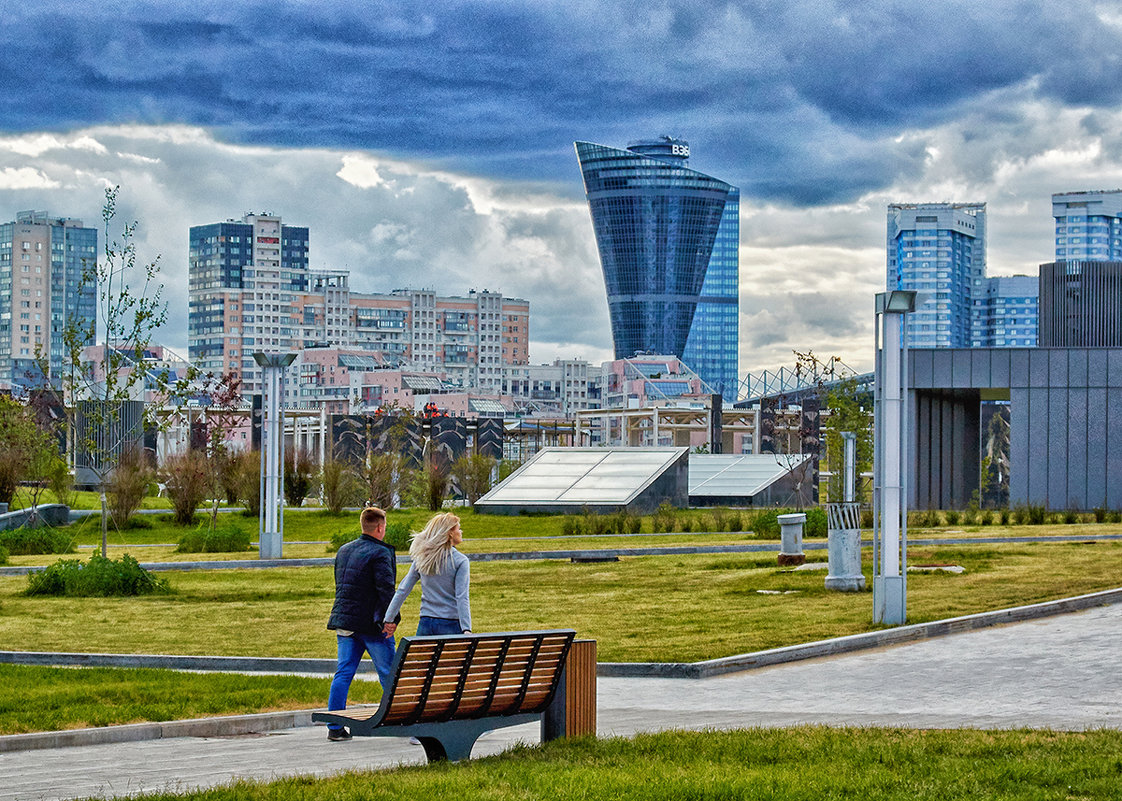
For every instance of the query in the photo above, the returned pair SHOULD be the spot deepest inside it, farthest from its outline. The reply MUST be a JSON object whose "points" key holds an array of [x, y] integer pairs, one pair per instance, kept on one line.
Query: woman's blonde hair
{"points": [[432, 545]]}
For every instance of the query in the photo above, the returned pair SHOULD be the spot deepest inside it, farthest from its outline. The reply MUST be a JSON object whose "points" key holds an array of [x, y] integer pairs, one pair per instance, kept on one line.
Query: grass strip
{"points": [[799, 764], [34, 698], [639, 609]]}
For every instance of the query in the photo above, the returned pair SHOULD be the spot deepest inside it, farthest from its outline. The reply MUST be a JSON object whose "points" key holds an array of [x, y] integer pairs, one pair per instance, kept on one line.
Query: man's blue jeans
{"points": [[381, 650]]}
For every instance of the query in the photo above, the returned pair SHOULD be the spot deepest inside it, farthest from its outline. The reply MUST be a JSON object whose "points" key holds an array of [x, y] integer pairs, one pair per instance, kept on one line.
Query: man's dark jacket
{"points": [[365, 573]]}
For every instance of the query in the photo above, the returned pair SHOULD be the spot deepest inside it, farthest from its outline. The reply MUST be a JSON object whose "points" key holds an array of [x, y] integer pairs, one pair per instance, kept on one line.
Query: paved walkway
{"points": [[1058, 672]]}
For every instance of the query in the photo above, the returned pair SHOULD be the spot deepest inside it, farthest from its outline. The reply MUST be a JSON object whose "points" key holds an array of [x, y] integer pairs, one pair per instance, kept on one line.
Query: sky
{"points": [[431, 145]]}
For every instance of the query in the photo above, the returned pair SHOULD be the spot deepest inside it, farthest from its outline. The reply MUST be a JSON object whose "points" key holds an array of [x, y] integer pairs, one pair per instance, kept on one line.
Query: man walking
{"points": [[365, 574]]}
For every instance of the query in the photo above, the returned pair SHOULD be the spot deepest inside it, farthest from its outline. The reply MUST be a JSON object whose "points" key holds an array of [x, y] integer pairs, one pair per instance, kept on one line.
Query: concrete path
{"points": [[1058, 672]]}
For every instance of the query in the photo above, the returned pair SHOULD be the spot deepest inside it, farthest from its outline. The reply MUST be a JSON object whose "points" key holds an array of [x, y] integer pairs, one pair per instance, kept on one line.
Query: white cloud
{"points": [[24, 178]]}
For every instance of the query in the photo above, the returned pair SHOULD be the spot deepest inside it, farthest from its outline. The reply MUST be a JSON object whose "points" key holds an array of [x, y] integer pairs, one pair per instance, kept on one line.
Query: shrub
{"points": [[736, 522], [1114, 517], [593, 524], [227, 538], [190, 480], [341, 538], [766, 523], [398, 535], [299, 476], [25, 541], [719, 521], [970, 516], [227, 476], [866, 518], [248, 473], [60, 482], [953, 516], [341, 486], [436, 481], [685, 523], [127, 486], [1100, 514], [817, 525], [4, 555], [663, 518], [1037, 515], [634, 524], [1071, 516], [100, 577], [473, 475], [570, 525], [1004, 517], [986, 517]]}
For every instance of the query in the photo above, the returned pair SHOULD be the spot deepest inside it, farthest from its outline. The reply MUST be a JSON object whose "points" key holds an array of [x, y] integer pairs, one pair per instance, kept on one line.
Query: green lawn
{"points": [[800, 764], [36, 698], [657, 608]]}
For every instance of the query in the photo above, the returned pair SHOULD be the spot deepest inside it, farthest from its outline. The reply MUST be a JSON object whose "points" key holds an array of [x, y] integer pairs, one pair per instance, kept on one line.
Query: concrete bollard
{"points": [[844, 572], [791, 539]]}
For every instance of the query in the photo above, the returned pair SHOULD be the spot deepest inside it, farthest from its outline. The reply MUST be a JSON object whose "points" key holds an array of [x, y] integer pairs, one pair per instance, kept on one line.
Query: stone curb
{"points": [[856, 642]]}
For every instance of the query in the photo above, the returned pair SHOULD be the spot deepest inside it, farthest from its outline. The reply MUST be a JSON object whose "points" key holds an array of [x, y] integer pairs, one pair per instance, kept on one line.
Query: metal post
{"points": [[890, 577], [271, 535]]}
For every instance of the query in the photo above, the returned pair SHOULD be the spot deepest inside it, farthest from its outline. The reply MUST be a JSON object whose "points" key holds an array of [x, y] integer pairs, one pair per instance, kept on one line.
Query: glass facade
{"points": [[656, 222], [713, 346], [939, 250]]}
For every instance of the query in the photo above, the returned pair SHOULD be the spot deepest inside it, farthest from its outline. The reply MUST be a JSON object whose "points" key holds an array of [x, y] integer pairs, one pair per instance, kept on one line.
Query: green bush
{"points": [[1037, 515], [1070, 517], [398, 535], [24, 541], [99, 577], [341, 538], [570, 526], [226, 538], [986, 517], [816, 523], [1114, 517], [953, 517], [866, 518], [663, 518], [736, 522], [1100, 514], [766, 523], [4, 555]]}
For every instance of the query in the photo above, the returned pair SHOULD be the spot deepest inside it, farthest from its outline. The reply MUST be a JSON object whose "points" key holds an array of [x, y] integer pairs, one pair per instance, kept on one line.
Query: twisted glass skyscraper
{"points": [[656, 223]]}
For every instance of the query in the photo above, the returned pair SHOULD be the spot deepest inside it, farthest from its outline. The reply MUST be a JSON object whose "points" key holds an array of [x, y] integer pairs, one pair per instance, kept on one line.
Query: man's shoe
{"points": [[338, 735]]}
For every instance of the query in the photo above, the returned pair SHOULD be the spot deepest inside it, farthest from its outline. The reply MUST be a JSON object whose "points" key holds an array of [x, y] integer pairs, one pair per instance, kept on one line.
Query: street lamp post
{"points": [[890, 503], [271, 521]]}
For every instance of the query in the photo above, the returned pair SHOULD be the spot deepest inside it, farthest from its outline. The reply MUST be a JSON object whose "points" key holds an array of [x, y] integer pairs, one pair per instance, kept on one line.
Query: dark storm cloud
{"points": [[800, 103]]}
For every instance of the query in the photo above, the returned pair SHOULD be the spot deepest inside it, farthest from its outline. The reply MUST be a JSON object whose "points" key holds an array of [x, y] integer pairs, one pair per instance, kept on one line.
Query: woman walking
{"points": [[444, 575]]}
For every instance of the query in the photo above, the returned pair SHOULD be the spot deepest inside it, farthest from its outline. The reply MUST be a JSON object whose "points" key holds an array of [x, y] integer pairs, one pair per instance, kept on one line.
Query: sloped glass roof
{"points": [[728, 475], [584, 476]]}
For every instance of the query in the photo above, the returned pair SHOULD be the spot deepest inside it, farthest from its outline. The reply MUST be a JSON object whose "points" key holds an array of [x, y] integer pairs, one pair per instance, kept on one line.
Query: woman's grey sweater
{"points": [[443, 594]]}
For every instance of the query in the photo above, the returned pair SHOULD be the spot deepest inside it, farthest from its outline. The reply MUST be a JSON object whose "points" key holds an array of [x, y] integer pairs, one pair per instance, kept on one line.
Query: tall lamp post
{"points": [[890, 502], [271, 535]]}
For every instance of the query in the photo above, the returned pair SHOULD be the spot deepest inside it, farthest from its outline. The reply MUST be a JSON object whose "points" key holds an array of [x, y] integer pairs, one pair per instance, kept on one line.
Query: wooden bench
{"points": [[448, 690]]}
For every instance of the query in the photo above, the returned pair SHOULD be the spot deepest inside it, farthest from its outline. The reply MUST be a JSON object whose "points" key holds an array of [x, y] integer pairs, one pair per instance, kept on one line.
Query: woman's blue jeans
{"points": [[437, 625]]}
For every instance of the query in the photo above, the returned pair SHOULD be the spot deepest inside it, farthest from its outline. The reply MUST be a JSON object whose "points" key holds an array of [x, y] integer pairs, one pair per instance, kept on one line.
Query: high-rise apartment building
{"points": [[1088, 225], [251, 290], [42, 262], [656, 224], [938, 249], [1006, 312]]}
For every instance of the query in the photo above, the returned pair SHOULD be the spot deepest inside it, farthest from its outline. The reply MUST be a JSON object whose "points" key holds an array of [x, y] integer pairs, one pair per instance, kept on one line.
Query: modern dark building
{"points": [[656, 223], [1064, 446], [1081, 304], [46, 280]]}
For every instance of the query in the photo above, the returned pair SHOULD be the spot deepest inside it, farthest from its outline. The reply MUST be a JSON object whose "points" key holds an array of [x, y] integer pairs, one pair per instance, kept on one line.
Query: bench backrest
{"points": [[461, 676]]}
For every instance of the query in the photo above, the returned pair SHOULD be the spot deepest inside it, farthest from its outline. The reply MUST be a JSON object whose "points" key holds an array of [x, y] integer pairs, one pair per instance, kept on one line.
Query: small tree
{"points": [[27, 453], [299, 476], [341, 487], [189, 481], [127, 485], [473, 474], [129, 309]]}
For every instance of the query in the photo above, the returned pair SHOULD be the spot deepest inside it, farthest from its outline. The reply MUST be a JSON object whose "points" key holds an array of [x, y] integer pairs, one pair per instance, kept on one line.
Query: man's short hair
{"points": [[371, 516]]}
